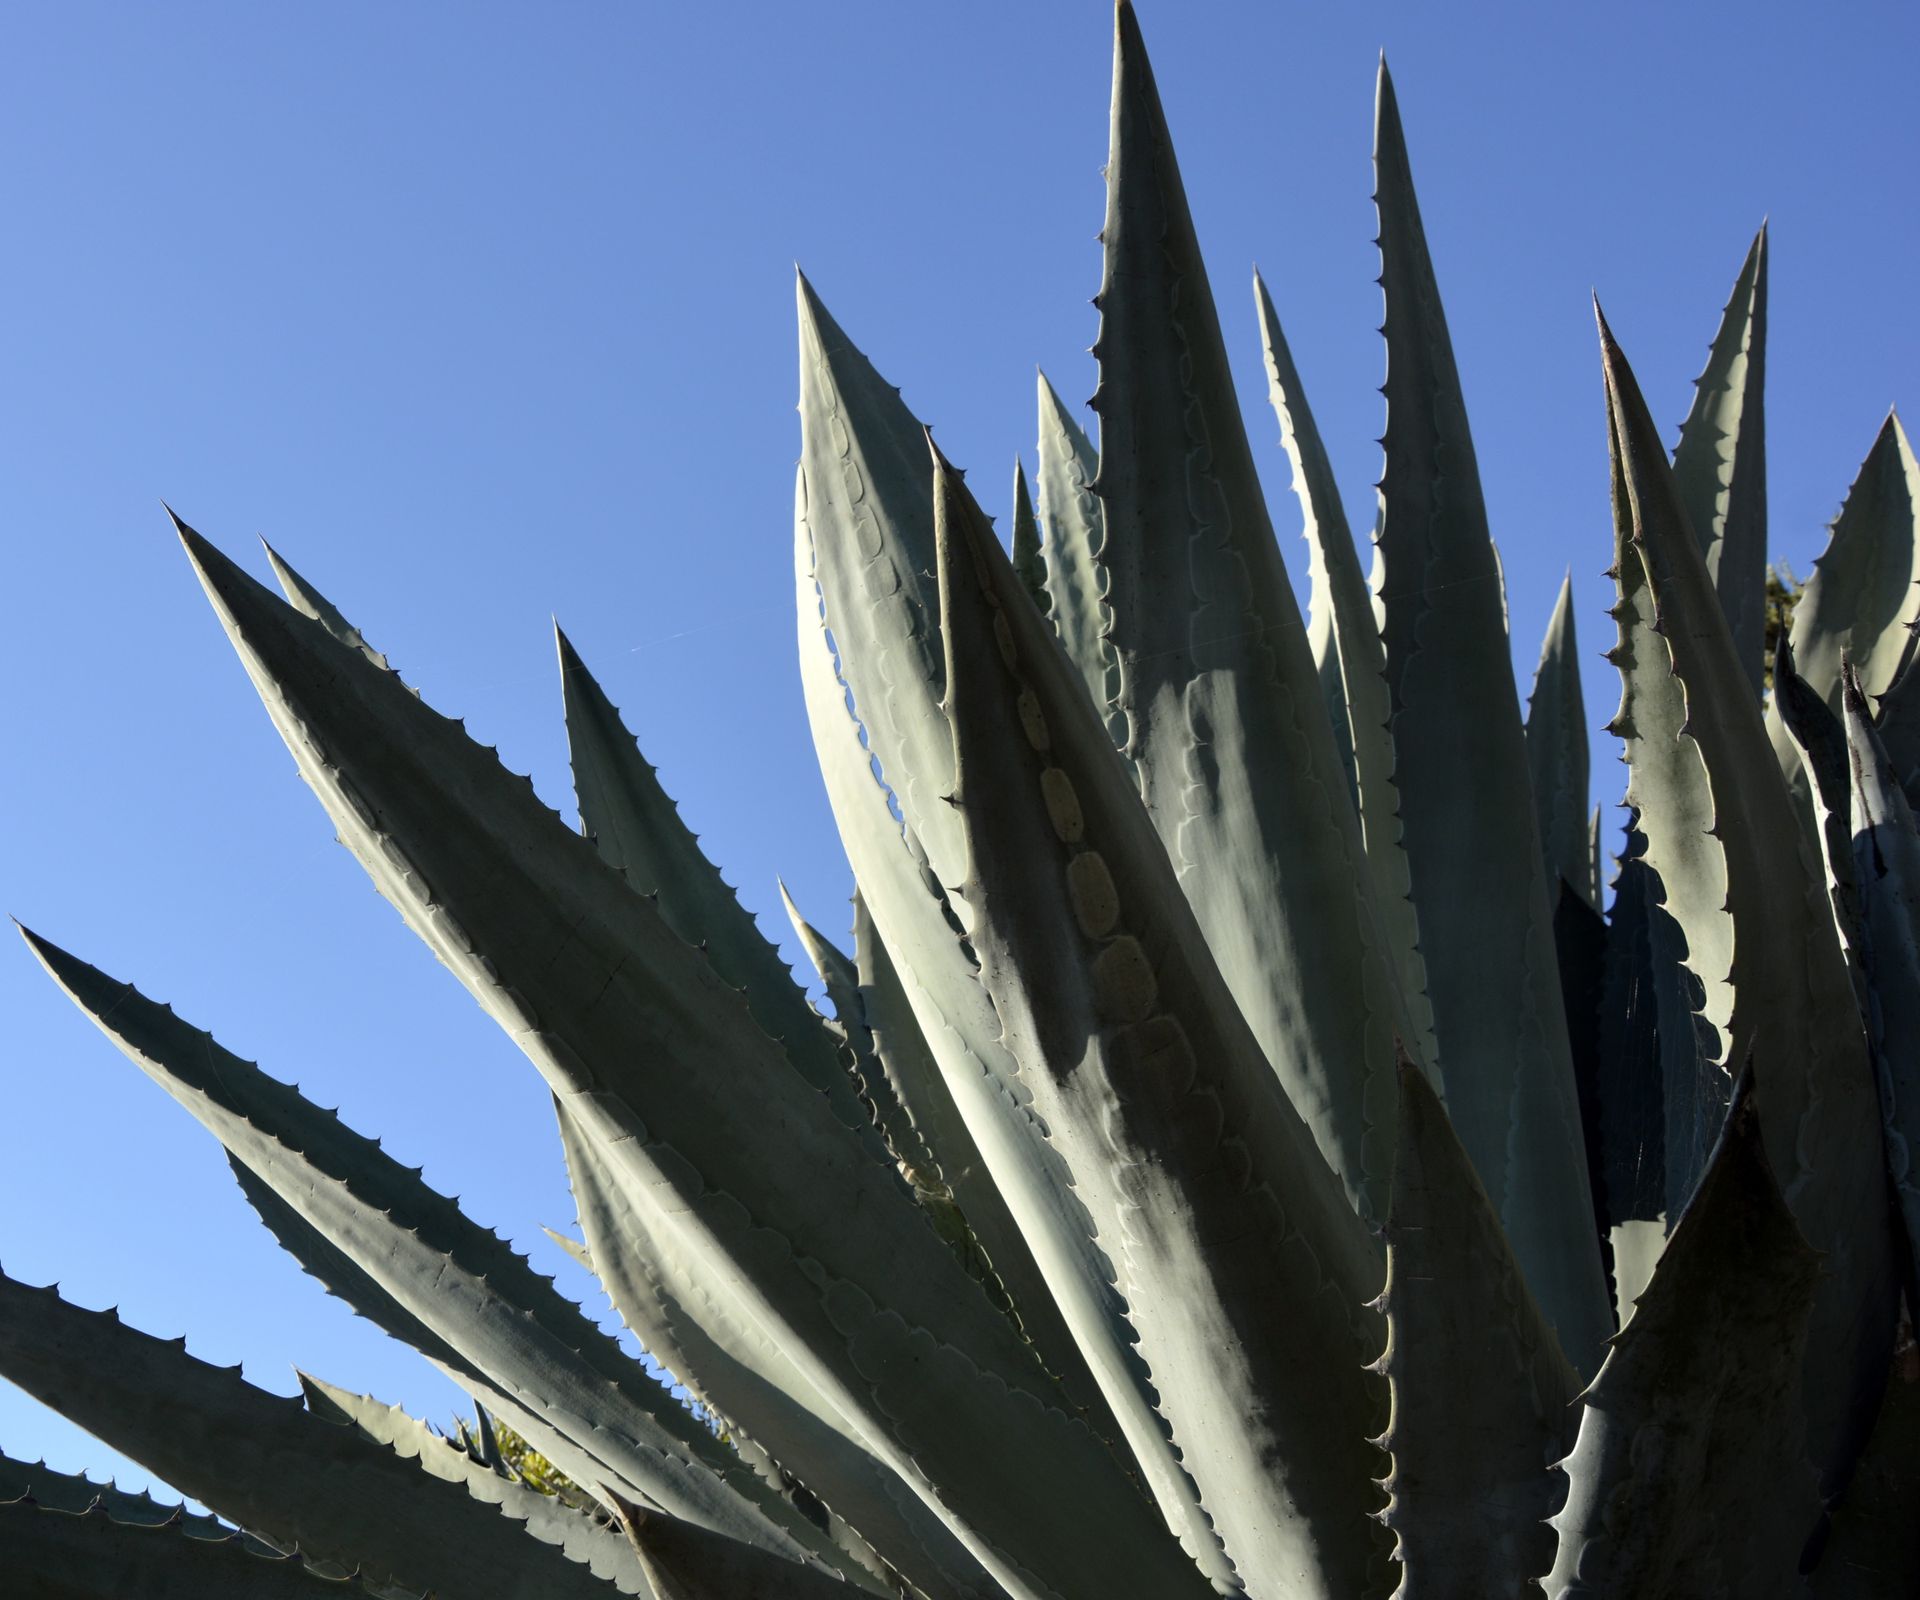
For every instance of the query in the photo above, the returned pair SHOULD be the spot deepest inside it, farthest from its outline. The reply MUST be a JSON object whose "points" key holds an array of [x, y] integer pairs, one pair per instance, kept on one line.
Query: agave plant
{"points": [[1247, 1152]]}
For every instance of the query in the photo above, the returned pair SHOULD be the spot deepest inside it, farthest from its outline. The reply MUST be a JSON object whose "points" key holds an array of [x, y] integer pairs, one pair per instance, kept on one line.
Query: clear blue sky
{"points": [[483, 312]]}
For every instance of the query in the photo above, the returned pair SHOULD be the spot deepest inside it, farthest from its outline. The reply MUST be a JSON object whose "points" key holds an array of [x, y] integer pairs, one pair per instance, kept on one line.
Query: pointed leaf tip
{"points": [[563, 647], [223, 579], [86, 985], [1386, 109]]}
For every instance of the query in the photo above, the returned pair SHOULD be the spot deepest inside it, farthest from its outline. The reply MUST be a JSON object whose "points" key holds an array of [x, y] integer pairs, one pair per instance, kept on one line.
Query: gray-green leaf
{"points": [[1482, 1396], [1720, 463], [1243, 1267], [1466, 801], [266, 1463], [1689, 1477], [664, 1067], [1226, 723], [1782, 983]]}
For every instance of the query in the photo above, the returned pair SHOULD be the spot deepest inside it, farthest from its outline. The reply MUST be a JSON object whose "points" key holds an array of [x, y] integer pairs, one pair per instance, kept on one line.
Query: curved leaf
{"points": [[1344, 627], [1225, 720], [1466, 802], [665, 1069], [966, 1206], [1720, 463], [1072, 527], [708, 1339], [88, 1555], [591, 1541], [840, 976], [1860, 602], [897, 1126], [1689, 1476], [310, 602], [63, 1491], [1242, 1266], [638, 831], [890, 1118], [265, 1462], [1060, 1258], [1649, 1072], [413, 1263], [1482, 1396], [863, 461], [1323, 515], [1785, 992], [1689, 930]]}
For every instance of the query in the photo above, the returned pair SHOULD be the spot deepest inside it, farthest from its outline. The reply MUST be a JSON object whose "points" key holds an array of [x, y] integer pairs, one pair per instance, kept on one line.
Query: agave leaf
{"points": [[1482, 1396], [1557, 753], [1225, 721], [1649, 1066], [1072, 528], [413, 1263], [266, 1463], [632, 1267], [862, 459], [1886, 871], [1860, 602], [1320, 508], [1599, 879], [685, 1563], [708, 1339], [835, 972], [1466, 802], [88, 1554], [896, 1125], [955, 1186], [1344, 628], [1326, 661], [1820, 737], [1674, 841], [665, 1068], [1873, 1549], [576, 1249], [1720, 463], [930, 1138], [1028, 560], [585, 1539], [310, 602], [1899, 723], [638, 830], [841, 980], [1785, 994], [1241, 1262], [1689, 1476], [1580, 944], [60, 1491], [920, 925]]}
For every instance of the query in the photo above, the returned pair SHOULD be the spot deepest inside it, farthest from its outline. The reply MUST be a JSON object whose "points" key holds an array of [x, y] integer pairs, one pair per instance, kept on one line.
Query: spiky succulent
{"points": [[1242, 1155]]}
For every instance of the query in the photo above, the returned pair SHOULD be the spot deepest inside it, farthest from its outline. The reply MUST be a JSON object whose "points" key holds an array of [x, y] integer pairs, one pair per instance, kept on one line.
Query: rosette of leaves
{"points": [[1247, 1151]]}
